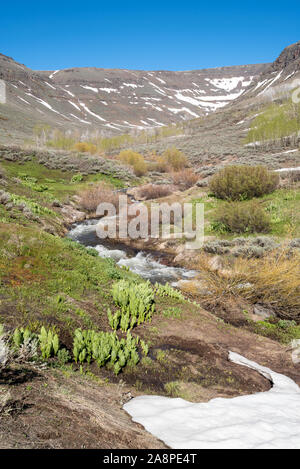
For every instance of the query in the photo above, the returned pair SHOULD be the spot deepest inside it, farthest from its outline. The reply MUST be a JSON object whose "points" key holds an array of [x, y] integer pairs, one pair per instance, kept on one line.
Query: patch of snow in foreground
{"points": [[262, 421]]}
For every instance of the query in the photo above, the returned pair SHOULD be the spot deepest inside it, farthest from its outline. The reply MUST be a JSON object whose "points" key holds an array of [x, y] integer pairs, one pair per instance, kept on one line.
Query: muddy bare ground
{"points": [[57, 408]]}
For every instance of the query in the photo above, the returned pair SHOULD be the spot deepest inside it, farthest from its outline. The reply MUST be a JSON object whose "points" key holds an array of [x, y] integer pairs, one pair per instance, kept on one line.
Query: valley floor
{"points": [[48, 280]]}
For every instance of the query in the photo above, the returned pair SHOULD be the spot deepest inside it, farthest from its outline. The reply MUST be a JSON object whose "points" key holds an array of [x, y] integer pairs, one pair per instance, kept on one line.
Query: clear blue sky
{"points": [[150, 35]]}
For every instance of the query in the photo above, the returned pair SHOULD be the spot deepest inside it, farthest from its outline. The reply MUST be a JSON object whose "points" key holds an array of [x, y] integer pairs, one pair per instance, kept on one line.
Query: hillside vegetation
{"points": [[279, 121]]}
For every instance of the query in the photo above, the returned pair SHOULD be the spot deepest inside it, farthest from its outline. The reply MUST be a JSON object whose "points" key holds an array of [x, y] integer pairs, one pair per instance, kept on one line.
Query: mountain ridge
{"points": [[119, 101], [114, 101]]}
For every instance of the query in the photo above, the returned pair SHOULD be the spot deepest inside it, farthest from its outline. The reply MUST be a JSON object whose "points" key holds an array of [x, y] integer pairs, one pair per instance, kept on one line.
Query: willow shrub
{"points": [[136, 160], [175, 159], [243, 182]]}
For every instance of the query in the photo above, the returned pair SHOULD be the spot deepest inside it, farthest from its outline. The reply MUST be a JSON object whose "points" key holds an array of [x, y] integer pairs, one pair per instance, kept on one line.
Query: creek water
{"points": [[150, 267]]}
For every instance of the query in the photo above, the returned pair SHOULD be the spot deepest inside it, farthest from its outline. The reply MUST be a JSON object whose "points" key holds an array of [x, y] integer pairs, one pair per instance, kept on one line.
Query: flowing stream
{"points": [[138, 262]]}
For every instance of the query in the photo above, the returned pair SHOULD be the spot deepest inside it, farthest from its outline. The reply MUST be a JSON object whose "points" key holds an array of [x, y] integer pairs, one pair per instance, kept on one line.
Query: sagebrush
{"points": [[243, 182]]}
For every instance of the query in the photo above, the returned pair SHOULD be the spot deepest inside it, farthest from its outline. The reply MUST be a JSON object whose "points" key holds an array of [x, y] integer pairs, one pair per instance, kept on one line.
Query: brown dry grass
{"points": [[273, 280]]}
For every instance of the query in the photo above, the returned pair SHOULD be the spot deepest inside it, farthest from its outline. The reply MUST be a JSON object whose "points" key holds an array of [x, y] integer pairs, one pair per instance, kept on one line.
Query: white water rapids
{"points": [[140, 263]]}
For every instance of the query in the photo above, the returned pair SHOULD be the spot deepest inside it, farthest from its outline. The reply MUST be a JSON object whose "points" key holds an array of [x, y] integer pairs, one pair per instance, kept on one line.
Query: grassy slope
{"points": [[59, 183], [282, 205]]}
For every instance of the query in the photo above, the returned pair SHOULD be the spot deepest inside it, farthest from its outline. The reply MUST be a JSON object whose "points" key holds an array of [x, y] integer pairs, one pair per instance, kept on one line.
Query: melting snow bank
{"points": [[260, 421]]}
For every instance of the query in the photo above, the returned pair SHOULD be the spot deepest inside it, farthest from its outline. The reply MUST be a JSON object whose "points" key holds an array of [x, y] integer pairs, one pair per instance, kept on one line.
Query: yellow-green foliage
{"points": [[175, 158], [276, 122], [136, 301], [243, 182], [108, 144], [105, 348], [167, 290], [45, 135], [135, 160], [161, 164], [85, 147], [20, 336], [49, 343], [60, 140]]}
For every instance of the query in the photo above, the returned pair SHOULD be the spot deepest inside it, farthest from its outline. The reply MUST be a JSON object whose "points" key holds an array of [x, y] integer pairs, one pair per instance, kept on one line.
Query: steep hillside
{"points": [[223, 136], [113, 101], [138, 99], [281, 74]]}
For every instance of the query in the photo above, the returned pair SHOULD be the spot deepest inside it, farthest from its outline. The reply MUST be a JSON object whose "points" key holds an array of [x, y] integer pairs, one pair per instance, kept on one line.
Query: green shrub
{"points": [[242, 217], [77, 178], [63, 356], [243, 182], [112, 270], [172, 388], [20, 336]]}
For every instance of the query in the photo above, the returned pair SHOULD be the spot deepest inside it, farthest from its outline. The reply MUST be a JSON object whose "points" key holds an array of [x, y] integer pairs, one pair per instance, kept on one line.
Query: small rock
{"points": [[263, 312], [216, 263], [56, 203], [202, 183], [126, 397]]}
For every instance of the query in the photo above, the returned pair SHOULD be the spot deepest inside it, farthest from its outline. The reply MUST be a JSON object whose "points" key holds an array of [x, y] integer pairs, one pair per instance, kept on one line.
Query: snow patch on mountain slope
{"points": [[91, 113], [86, 87], [54, 73]]}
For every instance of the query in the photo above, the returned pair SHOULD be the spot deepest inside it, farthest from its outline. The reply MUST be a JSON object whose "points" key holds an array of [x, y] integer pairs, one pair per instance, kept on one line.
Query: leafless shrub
{"points": [[155, 191], [90, 198], [185, 178]]}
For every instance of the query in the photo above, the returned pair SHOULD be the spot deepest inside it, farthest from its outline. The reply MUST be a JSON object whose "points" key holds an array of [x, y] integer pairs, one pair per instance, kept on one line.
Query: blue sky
{"points": [[149, 35]]}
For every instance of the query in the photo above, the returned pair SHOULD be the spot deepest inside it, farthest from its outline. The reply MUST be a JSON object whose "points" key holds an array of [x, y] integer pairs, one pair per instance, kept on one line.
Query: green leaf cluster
{"points": [[106, 349]]}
